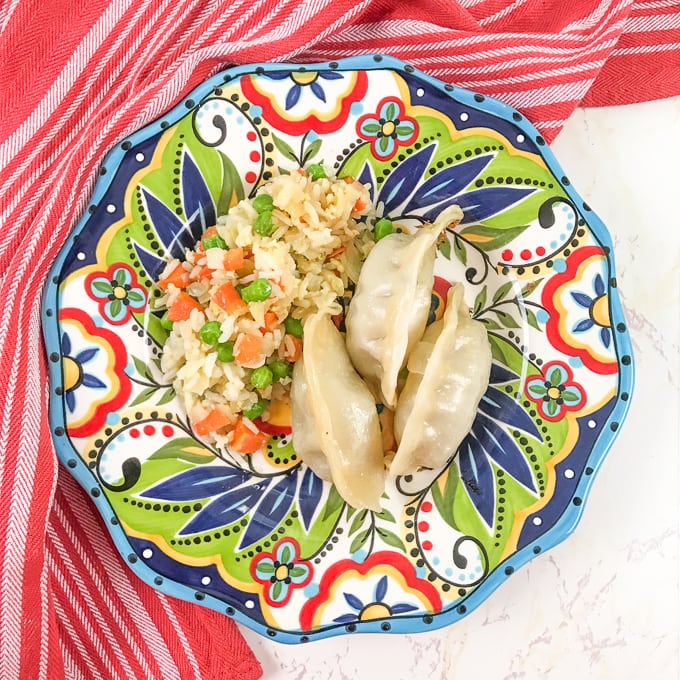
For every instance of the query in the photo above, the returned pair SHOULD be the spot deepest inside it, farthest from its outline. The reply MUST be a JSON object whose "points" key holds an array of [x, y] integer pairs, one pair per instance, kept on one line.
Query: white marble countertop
{"points": [[605, 603]]}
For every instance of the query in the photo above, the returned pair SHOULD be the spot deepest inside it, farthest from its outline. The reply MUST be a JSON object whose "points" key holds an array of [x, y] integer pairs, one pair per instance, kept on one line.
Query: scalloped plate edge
{"points": [[402, 624]]}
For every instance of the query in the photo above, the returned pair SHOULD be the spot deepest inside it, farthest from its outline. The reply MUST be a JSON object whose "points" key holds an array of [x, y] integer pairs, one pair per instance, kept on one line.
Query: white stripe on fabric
{"points": [[125, 597], [646, 49], [101, 635], [64, 81], [605, 8], [69, 629], [179, 631], [656, 22], [121, 575], [546, 95], [508, 9], [43, 668]]}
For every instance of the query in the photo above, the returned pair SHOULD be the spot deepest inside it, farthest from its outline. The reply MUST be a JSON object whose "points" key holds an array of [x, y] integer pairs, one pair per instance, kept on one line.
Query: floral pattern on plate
{"points": [[260, 537]]}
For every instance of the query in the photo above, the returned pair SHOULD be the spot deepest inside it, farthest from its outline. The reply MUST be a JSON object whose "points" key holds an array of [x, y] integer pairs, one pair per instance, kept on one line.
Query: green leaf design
{"points": [[297, 570], [358, 521], [570, 397], [531, 319], [143, 396], [480, 301], [142, 368], [506, 319], [277, 587], [390, 111], [538, 389], [266, 567], [490, 324], [101, 286], [445, 248], [333, 504], [551, 407], [285, 149], [311, 150], [386, 515], [383, 143], [391, 538], [286, 554], [185, 449], [359, 540], [444, 497], [116, 307], [135, 296], [555, 377], [502, 292], [370, 128], [119, 276], [350, 512], [459, 250], [404, 129], [232, 187], [489, 238], [168, 395], [497, 352]]}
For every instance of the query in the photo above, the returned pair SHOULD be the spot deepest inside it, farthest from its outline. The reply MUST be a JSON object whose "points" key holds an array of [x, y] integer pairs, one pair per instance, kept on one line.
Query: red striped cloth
{"points": [[76, 76]]}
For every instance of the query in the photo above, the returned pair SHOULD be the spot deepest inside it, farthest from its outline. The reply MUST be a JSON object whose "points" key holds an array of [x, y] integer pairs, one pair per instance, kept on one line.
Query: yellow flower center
{"points": [[599, 311], [377, 610], [554, 392], [304, 77], [72, 373], [281, 573], [119, 292], [388, 128]]}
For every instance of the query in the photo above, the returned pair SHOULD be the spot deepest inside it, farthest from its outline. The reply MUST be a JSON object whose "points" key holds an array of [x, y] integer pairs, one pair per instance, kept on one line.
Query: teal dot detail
{"points": [[97, 320], [356, 108], [312, 135], [420, 572], [256, 112], [112, 418], [311, 590], [542, 316], [575, 362], [560, 265], [359, 556]]}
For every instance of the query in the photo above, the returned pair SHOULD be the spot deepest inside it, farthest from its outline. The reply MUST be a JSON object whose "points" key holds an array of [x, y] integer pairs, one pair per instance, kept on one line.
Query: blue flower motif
{"points": [[377, 608], [408, 193], [235, 493], [489, 442], [597, 308], [302, 79], [389, 128], [74, 373]]}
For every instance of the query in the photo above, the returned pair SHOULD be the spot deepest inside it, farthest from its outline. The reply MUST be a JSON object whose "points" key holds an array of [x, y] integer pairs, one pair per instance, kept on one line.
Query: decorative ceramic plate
{"points": [[260, 537]]}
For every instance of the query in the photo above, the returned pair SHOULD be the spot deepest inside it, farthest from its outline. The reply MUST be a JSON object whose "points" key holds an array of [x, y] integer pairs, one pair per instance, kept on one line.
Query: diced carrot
{"points": [[179, 277], [214, 421], [271, 319], [227, 297], [348, 179], [204, 273], [244, 440], [338, 251], [300, 172], [247, 347], [359, 205], [293, 353], [180, 309], [233, 259]]}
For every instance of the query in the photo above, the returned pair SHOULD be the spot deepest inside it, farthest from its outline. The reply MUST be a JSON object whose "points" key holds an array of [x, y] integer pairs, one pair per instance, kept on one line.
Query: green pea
{"points": [[256, 410], [293, 326], [263, 224], [263, 203], [280, 369], [210, 332], [167, 323], [257, 291], [261, 377], [316, 171], [225, 352], [214, 241], [382, 228]]}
